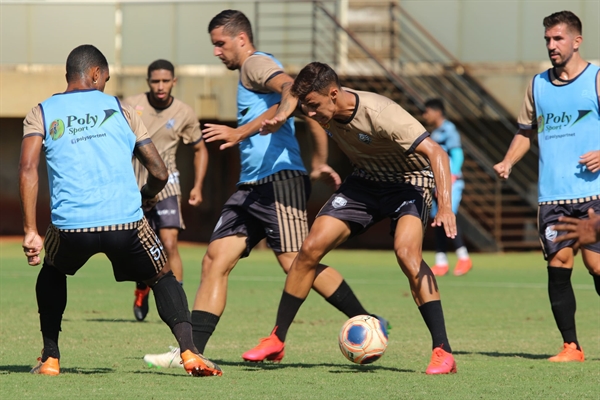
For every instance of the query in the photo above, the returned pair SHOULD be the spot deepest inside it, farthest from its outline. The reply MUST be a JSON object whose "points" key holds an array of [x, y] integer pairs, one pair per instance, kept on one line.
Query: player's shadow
{"points": [[334, 368], [10, 369], [510, 355], [121, 320]]}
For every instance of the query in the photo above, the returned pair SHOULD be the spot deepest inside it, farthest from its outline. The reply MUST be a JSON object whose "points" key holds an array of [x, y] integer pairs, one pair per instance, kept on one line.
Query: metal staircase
{"points": [[382, 49]]}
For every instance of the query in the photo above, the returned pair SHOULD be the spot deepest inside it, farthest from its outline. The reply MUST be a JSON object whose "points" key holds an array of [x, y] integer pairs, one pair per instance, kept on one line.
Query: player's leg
{"points": [[65, 253], [169, 238], [464, 263], [326, 234], [145, 260], [440, 267]]}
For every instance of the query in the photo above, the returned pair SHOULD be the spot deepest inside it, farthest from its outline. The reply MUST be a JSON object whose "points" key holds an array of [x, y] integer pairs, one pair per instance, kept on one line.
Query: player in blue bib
{"points": [[561, 108]]}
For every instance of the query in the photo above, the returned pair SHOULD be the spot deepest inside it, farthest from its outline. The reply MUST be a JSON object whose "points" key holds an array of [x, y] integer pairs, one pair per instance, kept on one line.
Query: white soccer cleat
{"points": [[172, 359]]}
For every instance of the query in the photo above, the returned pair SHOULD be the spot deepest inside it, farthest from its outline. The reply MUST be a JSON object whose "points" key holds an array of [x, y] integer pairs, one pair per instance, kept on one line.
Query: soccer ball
{"points": [[363, 339]]}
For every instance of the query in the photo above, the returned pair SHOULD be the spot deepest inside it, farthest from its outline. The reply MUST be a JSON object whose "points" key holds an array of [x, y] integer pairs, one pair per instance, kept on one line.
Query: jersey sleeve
{"points": [[33, 124], [190, 133], [257, 70], [527, 119], [136, 124], [397, 124], [453, 137]]}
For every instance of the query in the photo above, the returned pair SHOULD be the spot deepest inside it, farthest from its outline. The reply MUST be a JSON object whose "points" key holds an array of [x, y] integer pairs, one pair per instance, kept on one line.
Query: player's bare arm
{"points": [[319, 167], [584, 231], [591, 160], [518, 148], [28, 188], [286, 108], [233, 136], [440, 165], [157, 171], [200, 166]]}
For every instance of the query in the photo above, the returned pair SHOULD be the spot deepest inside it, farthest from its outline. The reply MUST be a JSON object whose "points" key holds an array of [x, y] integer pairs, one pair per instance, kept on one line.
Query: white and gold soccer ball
{"points": [[363, 339]]}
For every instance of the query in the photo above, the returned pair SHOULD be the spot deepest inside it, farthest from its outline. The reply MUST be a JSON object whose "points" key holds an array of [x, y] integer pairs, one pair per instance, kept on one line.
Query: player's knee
{"points": [[409, 257], [211, 267], [311, 252], [594, 269]]}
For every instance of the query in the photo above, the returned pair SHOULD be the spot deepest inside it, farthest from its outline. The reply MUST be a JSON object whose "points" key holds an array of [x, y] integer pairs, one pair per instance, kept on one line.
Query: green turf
{"points": [[498, 319]]}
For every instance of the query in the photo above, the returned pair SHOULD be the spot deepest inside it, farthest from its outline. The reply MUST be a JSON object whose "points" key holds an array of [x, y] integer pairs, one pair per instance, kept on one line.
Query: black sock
{"points": [[596, 282], [140, 286], [288, 308], [440, 239], [562, 300], [183, 334], [434, 319], [344, 300], [203, 326], [457, 242], [51, 294], [171, 302]]}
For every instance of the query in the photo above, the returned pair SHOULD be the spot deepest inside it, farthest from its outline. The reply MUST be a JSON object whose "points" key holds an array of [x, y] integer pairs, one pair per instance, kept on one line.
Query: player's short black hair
{"points": [[314, 77], [233, 22], [436, 104], [81, 59], [161, 64], [571, 20]]}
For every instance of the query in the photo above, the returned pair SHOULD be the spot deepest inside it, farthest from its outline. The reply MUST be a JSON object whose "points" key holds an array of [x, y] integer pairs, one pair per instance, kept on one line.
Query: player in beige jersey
{"points": [[169, 122], [396, 166]]}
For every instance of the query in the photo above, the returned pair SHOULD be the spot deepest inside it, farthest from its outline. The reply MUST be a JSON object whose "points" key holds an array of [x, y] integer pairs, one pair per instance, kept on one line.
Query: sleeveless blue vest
{"points": [[89, 145], [568, 123], [264, 155]]}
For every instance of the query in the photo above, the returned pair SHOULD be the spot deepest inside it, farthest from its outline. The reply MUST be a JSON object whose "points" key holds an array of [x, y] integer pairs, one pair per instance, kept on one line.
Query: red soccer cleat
{"points": [[569, 353], [463, 266], [269, 348], [140, 305], [441, 362], [439, 270]]}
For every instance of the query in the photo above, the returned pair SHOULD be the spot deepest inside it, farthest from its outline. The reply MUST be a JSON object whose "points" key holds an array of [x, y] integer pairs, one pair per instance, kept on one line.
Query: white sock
{"points": [[441, 259], [462, 253]]}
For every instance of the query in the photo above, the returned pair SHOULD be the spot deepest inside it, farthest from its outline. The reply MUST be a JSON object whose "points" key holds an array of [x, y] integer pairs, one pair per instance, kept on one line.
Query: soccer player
{"points": [[561, 107], [88, 138], [396, 166], [270, 200], [169, 122], [446, 135]]}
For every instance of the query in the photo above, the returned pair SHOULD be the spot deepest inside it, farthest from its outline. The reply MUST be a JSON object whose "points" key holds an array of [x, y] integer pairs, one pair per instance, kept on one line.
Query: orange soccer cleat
{"points": [[569, 353], [49, 367], [198, 365], [269, 348], [140, 305], [441, 362], [440, 269], [463, 265]]}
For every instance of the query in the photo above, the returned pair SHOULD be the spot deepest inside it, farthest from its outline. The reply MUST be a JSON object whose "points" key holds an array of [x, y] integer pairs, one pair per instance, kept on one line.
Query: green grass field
{"points": [[498, 318]]}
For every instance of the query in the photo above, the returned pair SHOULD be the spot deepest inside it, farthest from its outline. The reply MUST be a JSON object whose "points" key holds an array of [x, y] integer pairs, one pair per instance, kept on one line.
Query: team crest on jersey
{"points": [[363, 137], [540, 124], [57, 129], [339, 202], [170, 123], [139, 110], [550, 233]]}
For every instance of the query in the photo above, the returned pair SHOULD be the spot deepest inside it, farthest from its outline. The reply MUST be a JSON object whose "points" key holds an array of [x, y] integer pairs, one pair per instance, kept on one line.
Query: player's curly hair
{"points": [[571, 20], [81, 59], [315, 77], [233, 22]]}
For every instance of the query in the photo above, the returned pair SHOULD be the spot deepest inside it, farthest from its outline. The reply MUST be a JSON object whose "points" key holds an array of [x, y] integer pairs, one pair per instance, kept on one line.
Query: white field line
{"points": [[504, 285]]}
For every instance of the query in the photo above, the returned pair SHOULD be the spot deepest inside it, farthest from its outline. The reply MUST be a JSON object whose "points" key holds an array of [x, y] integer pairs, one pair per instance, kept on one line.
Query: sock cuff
{"points": [[558, 273], [430, 305], [200, 317]]}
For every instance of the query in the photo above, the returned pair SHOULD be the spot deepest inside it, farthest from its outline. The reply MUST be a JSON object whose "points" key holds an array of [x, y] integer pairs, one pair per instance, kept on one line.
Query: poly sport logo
{"points": [[339, 202], [57, 129], [550, 233]]}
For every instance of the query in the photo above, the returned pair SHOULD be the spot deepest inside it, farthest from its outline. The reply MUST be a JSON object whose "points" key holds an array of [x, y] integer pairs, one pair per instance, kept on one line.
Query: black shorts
{"points": [[548, 216], [136, 254], [275, 210], [363, 203], [166, 214]]}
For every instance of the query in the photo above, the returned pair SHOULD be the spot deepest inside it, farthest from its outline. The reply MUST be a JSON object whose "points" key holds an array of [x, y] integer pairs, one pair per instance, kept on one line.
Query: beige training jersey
{"points": [[379, 139], [527, 119], [33, 124], [166, 127]]}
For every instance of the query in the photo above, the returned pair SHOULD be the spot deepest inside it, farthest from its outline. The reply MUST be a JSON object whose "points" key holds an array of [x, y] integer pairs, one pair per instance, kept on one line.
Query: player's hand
{"points": [[327, 174], [591, 160], [149, 203], [446, 218], [583, 231], [195, 197], [32, 246], [273, 125], [503, 169], [229, 135]]}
